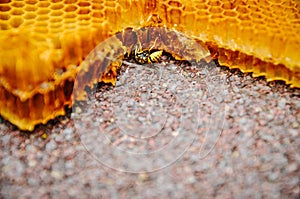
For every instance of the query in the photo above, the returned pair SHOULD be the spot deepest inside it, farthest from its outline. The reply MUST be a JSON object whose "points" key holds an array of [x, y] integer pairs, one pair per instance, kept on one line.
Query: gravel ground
{"points": [[167, 130]]}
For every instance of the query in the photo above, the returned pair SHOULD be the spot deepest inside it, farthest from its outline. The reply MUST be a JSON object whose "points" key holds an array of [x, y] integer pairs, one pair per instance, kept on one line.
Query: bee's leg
{"points": [[153, 44], [139, 45]]}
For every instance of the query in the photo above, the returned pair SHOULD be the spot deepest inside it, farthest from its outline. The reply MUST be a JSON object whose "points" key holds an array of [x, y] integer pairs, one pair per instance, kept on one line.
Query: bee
{"points": [[147, 55]]}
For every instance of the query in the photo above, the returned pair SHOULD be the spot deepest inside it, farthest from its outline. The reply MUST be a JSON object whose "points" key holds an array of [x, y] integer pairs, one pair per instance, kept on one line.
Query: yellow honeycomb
{"points": [[43, 42]]}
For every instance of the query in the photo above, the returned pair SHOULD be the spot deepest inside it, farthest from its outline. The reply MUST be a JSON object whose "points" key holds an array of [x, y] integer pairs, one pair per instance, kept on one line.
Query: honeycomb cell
{"points": [[17, 11], [70, 1], [56, 19], [56, 13], [84, 4], [29, 22], [202, 2], [56, 1], [265, 3], [189, 9], [202, 14], [16, 21], [32, 2], [98, 14], [70, 8], [84, 11], [42, 23], [4, 16], [55, 27], [215, 3], [215, 9], [18, 4], [57, 6], [43, 11], [253, 8], [4, 8], [70, 16], [286, 4], [217, 18], [202, 6], [97, 6], [4, 26], [84, 17], [174, 4], [43, 4], [30, 15], [111, 4], [30, 8], [253, 3], [97, 22], [230, 13], [242, 9], [244, 17], [5, 1], [228, 6], [256, 15], [43, 18]]}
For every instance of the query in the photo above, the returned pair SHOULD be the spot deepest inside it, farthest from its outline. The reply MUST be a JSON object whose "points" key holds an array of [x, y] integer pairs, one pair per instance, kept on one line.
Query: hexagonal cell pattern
{"points": [[44, 42]]}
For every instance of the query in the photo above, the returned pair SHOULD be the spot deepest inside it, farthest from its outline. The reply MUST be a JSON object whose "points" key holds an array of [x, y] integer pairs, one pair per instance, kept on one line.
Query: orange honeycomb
{"points": [[44, 42]]}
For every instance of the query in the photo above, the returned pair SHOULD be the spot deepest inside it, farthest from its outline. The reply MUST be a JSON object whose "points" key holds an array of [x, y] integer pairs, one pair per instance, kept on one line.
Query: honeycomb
{"points": [[43, 43]]}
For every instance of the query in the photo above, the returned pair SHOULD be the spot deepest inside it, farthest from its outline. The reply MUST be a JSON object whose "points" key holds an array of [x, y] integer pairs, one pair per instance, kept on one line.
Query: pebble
{"points": [[68, 132], [243, 120], [292, 167], [273, 176], [56, 174], [236, 89], [78, 110], [282, 102], [263, 128], [50, 146], [293, 132]]}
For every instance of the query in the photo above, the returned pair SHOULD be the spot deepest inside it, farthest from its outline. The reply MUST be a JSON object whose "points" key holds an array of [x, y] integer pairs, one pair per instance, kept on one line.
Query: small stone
{"points": [[56, 174], [296, 104], [78, 110], [257, 109], [282, 103], [141, 119], [154, 95], [243, 121], [292, 167], [32, 163], [118, 83], [269, 117], [143, 177], [5, 139], [219, 99], [191, 180], [142, 104], [174, 133], [273, 176], [51, 145], [293, 132], [235, 154], [295, 125], [68, 133], [58, 138], [236, 89]]}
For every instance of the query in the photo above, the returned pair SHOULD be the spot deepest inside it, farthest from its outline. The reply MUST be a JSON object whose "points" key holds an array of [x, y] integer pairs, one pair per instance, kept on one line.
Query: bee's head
{"points": [[141, 56]]}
